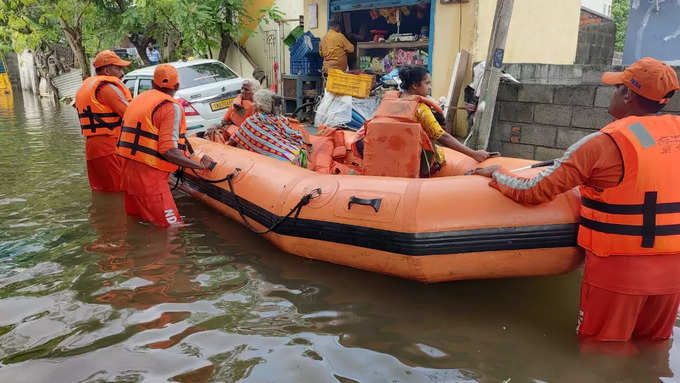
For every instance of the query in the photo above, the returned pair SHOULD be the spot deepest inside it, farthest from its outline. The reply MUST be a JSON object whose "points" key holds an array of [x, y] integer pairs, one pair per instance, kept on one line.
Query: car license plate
{"points": [[221, 104]]}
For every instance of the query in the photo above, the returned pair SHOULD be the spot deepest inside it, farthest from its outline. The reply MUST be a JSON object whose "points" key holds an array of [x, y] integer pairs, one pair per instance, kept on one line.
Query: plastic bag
{"points": [[333, 110], [366, 107]]}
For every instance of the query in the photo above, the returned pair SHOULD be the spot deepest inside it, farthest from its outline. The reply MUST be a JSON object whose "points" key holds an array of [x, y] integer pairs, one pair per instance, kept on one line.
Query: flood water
{"points": [[88, 295]]}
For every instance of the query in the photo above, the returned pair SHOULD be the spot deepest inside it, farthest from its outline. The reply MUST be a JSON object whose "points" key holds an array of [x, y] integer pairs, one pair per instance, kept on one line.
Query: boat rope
{"points": [[210, 181], [179, 177], [296, 209]]}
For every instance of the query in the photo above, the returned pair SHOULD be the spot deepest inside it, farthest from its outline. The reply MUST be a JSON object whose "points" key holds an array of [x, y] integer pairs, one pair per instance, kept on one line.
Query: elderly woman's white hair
{"points": [[265, 99], [252, 83]]}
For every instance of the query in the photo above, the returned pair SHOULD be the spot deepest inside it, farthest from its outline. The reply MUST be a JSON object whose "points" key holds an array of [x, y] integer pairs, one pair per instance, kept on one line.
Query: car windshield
{"points": [[201, 74]]}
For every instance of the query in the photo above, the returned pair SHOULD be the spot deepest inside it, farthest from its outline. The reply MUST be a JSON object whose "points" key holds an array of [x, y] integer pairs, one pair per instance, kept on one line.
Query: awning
{"points": [[357, 5]]}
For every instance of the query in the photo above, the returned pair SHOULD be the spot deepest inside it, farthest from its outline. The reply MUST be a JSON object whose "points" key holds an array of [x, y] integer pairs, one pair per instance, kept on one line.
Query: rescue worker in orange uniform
{"points": [[101, 103], [242, 108], [153, 143], [630, 200]]}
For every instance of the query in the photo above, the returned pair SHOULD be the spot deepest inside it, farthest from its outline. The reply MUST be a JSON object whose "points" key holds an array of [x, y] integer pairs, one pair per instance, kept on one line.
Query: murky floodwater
{"points": [[88, 295]]}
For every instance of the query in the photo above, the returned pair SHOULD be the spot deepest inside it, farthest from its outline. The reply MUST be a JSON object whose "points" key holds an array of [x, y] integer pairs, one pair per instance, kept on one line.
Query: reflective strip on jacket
{"points": [[97, 119], [641, 215], [139, 137]]}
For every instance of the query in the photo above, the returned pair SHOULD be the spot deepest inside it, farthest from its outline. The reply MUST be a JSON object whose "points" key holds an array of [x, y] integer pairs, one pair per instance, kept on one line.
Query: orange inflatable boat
{"points": [[448, 228]]}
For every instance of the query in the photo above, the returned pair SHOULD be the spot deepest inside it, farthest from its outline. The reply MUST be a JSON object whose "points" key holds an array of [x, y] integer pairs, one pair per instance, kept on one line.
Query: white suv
{"points": [[206, 89]]}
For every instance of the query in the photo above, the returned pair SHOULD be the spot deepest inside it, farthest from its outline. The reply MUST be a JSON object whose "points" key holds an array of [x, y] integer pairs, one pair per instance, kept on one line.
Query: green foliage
{"points": [[183, 27], [206, 24], [620, 10], [27, 24]]}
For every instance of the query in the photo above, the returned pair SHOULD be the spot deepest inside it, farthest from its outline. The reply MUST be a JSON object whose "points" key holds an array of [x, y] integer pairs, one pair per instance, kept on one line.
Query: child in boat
{"points": [[416, 82]]}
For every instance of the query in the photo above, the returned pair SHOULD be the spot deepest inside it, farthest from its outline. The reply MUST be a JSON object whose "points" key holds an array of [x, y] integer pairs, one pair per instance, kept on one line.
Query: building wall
{"points": [[255, 45], [27, 72], [322, 17], [454, 30], [539, 121], [596, 43], [12, 61], [450, 19], [540, 31], [601, 6]]}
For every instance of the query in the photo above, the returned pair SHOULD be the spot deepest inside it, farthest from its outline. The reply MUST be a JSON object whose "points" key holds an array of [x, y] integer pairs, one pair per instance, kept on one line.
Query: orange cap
{"points": [[107, 57], [647, 77], [165, 76]]}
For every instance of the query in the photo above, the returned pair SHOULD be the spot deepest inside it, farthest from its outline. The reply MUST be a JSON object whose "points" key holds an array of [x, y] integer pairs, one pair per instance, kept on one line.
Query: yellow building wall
{"points": [[256, 44], [454, 30], [254, 10], [541, 31], [322, 17]]}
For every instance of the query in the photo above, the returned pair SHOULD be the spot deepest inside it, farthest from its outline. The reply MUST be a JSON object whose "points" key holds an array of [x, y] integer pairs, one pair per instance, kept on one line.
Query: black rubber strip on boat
{"points": [[415, 244]]}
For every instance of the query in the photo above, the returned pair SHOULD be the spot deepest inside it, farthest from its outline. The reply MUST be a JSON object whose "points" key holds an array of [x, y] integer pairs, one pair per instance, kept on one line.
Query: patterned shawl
{"points": [[270, 135]]}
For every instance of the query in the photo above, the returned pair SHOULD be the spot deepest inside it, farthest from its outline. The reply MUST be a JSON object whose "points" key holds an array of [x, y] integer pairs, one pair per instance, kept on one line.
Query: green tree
{"points": [[141, 21], [72, 15], [25, 24], [38, 25], [620, 10], [215, 25]]}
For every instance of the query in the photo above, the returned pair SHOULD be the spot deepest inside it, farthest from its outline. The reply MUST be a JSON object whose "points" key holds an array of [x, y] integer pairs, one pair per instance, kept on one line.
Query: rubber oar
{"points": [[537, 165]]}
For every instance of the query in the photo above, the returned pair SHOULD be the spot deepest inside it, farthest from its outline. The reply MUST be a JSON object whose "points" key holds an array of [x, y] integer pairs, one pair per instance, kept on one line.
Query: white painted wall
{"points": [[27, 73], [601, 6], [255, 45]]}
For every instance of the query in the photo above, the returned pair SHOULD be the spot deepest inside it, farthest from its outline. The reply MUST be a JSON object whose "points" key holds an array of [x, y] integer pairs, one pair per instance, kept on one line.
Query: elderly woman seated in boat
{"points": [[272, 134], [239, 111], [397, 109]]}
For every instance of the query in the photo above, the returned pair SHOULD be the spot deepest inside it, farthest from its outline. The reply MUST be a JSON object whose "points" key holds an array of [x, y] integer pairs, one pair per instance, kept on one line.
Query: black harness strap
{"points": [[139, 132], [649, 220], [96, 120], [649, 210], [134, 146], [140, 148], [661, 208]]}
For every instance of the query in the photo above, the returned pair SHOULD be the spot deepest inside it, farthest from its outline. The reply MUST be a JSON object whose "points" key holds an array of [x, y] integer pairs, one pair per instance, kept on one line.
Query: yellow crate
{"points": [[355, 85]]}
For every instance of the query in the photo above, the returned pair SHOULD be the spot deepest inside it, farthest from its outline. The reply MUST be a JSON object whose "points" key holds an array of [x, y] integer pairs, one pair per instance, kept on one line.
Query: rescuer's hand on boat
{"points": [[487, 171]]}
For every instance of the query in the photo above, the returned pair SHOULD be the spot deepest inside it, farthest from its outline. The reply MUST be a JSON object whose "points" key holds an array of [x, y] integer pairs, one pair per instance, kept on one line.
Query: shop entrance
{"points": [[386, 33]]}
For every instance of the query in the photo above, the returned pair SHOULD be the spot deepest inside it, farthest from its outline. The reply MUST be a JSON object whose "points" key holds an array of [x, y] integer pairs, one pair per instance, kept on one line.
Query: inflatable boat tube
{"points": [[447, 228]]}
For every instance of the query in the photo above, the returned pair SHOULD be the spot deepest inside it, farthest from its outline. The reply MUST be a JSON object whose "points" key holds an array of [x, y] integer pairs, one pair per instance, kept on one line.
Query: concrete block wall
{"points": [[539, 121], [560, 74], [596, 43]]}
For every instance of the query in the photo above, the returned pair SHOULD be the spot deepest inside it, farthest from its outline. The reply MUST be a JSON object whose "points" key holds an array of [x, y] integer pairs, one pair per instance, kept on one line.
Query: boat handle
{"points": [[374, 203]]}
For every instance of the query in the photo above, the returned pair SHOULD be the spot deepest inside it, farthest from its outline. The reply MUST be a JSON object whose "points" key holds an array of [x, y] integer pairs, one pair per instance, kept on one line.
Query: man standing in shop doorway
{"points": [[334, 48]]}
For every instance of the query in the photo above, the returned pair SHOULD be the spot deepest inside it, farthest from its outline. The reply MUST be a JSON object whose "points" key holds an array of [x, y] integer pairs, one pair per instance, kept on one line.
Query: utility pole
{"points": [[492, 75]]}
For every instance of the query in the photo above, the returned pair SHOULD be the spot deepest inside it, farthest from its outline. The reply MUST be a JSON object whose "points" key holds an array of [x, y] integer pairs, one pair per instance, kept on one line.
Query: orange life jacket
{"points": [[641, 215], [240, 110], [396, 145], [139, 137], [97, 119]]}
